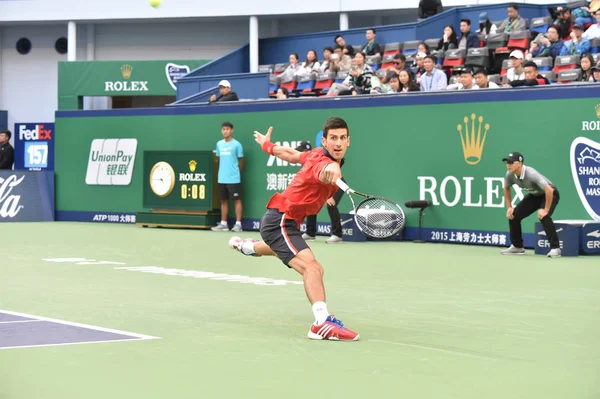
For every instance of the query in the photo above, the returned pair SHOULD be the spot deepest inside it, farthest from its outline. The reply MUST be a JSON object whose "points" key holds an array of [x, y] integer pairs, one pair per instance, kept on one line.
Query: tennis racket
{"points": [[376, 217]]}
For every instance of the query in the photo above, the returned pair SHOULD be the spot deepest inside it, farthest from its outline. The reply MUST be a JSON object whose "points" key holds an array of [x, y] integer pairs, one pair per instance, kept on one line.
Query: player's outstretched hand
{"points": [[260, 138]]}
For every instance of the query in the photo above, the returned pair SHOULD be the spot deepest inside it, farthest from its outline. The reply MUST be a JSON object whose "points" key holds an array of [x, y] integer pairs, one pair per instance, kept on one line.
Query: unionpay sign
{"points": [[34, 146]]}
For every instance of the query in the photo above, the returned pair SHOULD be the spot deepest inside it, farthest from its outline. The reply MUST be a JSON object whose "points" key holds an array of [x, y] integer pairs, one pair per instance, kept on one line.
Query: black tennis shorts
{"points": [[282, 235], [230, 191]]}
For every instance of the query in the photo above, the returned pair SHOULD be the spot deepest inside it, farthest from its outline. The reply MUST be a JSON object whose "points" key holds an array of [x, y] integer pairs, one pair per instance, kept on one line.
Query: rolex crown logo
{"points": [[472, 138], [193, 166], [598, 110], [126, 71]]}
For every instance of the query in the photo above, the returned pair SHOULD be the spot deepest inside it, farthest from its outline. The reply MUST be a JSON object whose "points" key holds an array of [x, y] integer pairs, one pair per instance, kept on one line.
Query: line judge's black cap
{"points": [[513, 157], [304, 146]]}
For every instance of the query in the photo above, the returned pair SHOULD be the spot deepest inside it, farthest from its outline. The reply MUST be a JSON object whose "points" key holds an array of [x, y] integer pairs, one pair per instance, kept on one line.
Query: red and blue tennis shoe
{"points": [[332, 329]]}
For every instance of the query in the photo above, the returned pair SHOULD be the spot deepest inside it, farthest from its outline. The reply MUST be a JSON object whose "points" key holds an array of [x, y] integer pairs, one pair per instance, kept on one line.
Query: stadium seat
{"points": [[290, 84], [306, 84], [506, 65], [387, 61], [274, 82], [595, 45], [279, 68], [566, 62], [411, 46], [569, 76], [392, 48], [497, 40], [341, 76], [596, 58], [519, 40], [550, 75], [433, 43], [478, 57], [357, 49], [324, 82], [482, 39], [544, 63], [541, 24], [373, 61], [454, 58], [439, 56], [496, 79], [265, 68]]}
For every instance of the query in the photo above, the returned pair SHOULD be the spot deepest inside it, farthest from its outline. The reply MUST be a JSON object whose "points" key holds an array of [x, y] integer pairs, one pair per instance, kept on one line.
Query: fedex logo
{"points": [[34, 132]]}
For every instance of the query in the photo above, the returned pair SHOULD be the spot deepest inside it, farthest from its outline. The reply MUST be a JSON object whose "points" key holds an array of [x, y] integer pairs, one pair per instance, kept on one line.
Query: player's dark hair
{"points": [[227, 124], [7, 132], [335, 123], [466, 20]]}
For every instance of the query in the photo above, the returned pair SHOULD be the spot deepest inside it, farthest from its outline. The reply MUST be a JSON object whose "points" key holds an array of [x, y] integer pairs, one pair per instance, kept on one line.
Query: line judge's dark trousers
{"points": [[334, 215], [526, 207]]}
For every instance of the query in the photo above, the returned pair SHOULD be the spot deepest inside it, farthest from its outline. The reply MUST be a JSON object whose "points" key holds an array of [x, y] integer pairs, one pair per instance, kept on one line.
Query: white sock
{"points": [[224, 222], [238, 223], [320, 311], [248, 247]]}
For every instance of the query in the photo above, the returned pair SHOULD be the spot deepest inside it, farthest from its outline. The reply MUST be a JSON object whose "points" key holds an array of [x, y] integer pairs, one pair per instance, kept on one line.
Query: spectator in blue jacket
{"points": [[550, 44], [577, 45], [468, 39]]}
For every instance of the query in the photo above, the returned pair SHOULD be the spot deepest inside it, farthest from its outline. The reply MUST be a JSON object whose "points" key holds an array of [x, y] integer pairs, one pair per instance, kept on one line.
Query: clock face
{"points": [[162, 179]]}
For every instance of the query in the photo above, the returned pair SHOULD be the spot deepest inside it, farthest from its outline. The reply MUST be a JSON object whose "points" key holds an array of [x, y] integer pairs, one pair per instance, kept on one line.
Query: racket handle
{"points": [[340, 183]]}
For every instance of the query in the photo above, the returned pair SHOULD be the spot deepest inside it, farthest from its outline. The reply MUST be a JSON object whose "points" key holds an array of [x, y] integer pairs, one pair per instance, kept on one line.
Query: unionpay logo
{"points": [[111, 162], [585, 167]]}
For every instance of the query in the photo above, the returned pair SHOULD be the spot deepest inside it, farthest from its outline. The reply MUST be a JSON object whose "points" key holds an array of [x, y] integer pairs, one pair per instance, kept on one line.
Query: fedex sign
{"points": [[39, 132], [34, 146]]}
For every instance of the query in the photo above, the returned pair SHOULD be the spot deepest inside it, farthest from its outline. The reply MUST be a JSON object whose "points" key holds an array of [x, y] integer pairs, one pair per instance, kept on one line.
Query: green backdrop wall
{"points": [[449, 153]]}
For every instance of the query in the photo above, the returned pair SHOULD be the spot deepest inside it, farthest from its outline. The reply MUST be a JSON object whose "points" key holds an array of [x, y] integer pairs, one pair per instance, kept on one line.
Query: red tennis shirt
{"points": [[306, 194]]}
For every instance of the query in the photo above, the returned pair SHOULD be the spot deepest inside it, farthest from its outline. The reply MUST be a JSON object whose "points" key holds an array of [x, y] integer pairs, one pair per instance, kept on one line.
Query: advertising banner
{"points": [[34, 146], [26, 196]]}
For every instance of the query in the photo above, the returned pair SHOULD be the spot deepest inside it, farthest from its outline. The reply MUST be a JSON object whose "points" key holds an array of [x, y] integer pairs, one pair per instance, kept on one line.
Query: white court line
{"points": [[69, 323], [72, 343], [19, 321]]}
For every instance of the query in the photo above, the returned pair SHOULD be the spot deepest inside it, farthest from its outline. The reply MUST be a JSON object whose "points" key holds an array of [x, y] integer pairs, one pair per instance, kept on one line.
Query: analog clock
{"points": [[162, 179]]}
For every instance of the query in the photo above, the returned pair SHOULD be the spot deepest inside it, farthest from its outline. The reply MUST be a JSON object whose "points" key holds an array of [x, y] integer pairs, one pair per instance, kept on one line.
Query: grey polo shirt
{"points": [[530, 180]]}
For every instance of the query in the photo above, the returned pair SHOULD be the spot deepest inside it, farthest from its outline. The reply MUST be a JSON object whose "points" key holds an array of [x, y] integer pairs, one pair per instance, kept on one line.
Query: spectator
{"points": [[564, 21], [292, 68], [481, 78], [310, 65], [371, 47], [348, 50], [532, 77], [514, 22], [486, 27], [429, 8], [516, 72], [582, 16], [450, 40], [418, 68], [465, 81], [231, 163], [593, 31], [550, 44], [393, 85], [577, 45], [326, 65], [587, 61], [407, 83], [399, 65], [226, 93], [7, 153], [282, 93], [423, 48], [340, 61], [357, 82], [433, 79], [596, 73], [467, 39]]}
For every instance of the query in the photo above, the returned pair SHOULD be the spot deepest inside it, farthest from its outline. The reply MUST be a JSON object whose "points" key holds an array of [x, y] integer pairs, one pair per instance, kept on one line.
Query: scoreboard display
{"points": [[180, 180]]}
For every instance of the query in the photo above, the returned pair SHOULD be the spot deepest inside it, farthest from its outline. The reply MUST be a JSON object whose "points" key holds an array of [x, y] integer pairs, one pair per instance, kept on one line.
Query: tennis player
{"points": [[280, 225]]}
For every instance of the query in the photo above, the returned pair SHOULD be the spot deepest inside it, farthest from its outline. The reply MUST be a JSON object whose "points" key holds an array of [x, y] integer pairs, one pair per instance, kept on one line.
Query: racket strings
{"points": [[379, 218]]}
